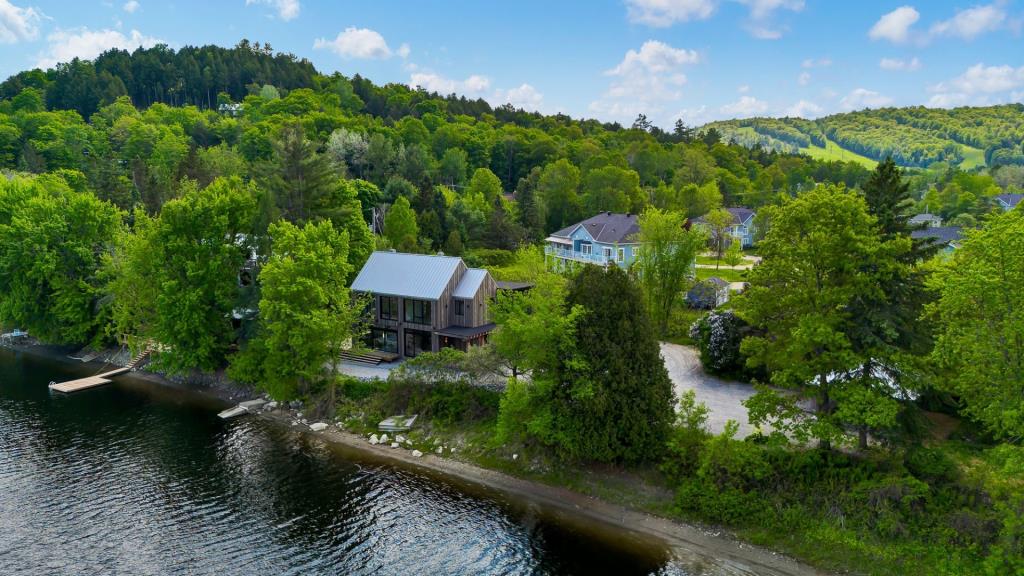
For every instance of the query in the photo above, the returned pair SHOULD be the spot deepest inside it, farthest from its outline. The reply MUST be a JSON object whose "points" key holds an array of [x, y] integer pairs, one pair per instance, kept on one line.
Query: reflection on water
{"points": [[134, 479]]}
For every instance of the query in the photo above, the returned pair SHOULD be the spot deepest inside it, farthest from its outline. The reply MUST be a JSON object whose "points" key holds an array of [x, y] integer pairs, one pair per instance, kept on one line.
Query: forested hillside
{"points": [[915, 136]]}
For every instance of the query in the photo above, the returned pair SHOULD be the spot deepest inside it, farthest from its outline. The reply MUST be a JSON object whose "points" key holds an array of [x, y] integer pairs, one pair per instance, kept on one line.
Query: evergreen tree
{"points": [[301, 180], [613, 400], [400, 226], [531, 210]]}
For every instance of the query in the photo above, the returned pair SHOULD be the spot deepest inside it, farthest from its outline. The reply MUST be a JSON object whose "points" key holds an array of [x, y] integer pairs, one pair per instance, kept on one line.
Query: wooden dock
{"points": [[97, 380]]}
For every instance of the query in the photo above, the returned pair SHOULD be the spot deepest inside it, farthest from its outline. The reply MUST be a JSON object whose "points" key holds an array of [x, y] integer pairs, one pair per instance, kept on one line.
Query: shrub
{"points": [[718, 334], [930, 465], [686, 439]]}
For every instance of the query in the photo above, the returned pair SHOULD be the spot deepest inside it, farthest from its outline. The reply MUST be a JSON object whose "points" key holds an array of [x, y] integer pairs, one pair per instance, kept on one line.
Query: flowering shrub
{"points": [[718, 334]]}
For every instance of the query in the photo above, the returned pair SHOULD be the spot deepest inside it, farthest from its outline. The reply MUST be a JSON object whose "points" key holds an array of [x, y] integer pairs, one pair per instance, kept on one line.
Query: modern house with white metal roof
{"points": [[422, 303]]}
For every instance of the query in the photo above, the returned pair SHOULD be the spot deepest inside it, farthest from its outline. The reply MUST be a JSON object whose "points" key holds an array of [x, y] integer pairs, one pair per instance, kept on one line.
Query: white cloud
{"points": [[981, 79], [693, 116], [524, 96], [816, 63], [644, 80], [86, 44], [745, 107], [948, 100], [286, 9], [805, 109], [403, 51], [662, 13], [897, 64], [804, 78], [654, 57], [762, 12], [361, 43], [971, 23], [861, 98], [130, 6], [17, 24], [472, 86], [743, 89], [895, 26]]}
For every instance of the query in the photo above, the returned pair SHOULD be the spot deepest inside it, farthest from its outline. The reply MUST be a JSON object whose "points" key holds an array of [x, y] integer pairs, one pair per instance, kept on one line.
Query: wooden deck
{"points": [[99, 379]]}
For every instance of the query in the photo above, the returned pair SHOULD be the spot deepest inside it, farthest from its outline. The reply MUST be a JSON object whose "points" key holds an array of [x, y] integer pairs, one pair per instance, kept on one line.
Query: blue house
{"points": [[742, 227], [1008, 201], [604, 239]]}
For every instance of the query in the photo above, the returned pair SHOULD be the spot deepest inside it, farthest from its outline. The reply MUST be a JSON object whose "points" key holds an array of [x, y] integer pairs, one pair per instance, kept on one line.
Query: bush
{"points": [[686, 439], [718, 336], [930, 465]]}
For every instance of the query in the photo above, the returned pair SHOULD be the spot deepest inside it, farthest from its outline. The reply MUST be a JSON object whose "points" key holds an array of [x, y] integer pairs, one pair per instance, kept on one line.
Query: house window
{"points": [[460, 308], [622, 254], [389, 308], [586, 249], [607, 253], [416, 342], [417, 311], [384, 340]]}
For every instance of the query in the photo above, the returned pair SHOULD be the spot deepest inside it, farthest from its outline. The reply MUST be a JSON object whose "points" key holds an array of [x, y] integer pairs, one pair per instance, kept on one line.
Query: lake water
{"points": [[135, 478]]}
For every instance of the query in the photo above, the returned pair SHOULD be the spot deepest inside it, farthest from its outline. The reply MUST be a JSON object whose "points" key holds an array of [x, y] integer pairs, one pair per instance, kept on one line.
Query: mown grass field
{"points": [[833, 151]]}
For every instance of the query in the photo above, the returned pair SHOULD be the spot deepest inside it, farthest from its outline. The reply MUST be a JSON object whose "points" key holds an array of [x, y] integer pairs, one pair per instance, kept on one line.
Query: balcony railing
{"points": [[599, 259]]}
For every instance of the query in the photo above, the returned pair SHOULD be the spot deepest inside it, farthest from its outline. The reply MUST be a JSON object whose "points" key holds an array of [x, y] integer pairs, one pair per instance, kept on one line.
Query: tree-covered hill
{"points": [[915, 136]]}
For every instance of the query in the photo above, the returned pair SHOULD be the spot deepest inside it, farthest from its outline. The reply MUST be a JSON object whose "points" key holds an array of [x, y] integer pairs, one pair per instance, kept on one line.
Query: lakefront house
{"points": [[605, 239], [422, 303], [742, 227]]}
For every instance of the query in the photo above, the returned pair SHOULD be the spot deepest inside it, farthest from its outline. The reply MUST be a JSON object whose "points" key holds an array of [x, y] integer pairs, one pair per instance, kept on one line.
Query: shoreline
{"points": [[685, 541]]}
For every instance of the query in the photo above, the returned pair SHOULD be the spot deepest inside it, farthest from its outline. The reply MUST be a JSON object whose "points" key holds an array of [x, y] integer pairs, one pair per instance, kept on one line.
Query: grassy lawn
{"points": [[726, 274]]}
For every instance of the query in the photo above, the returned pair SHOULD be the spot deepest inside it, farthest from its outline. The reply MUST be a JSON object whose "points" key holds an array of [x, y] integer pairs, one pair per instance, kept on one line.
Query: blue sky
{"points": [[696, 59]]}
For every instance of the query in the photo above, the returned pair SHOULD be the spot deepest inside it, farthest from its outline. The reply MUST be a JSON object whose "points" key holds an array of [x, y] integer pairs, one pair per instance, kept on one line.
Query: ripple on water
{"points": [[117, 481]]}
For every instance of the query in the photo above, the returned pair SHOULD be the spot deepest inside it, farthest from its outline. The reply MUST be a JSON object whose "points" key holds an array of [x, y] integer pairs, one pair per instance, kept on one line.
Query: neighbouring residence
{"points": [[928, 220], [946, 236], [1008, 201], [742, 227], [422, 303], [230, 109], [605, 239], [707, 294]]}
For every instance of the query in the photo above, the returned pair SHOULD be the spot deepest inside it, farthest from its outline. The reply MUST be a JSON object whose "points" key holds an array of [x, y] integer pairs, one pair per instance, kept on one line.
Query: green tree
{"points": [[302, 182], [486, 184], [453, 166], [613, 400], [979, 317], [664, 265], [531, 326], [734, 254], [201, 242], [821, 254], [52, 241], [400, 226], [558, 190], [700, 200], [719, 221], [306, 312], [611, 188]]}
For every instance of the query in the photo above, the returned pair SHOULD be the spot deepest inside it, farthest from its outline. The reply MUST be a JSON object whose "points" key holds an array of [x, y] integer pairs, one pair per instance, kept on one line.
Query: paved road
{"points": [[722, 397]]}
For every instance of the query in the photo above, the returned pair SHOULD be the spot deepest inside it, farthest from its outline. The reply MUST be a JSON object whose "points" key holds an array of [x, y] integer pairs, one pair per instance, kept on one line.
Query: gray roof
{"points": [[470, 283], [941, 234], [1010, 200], [739, 215], [607, 227], [921, 218], [409, 275]]}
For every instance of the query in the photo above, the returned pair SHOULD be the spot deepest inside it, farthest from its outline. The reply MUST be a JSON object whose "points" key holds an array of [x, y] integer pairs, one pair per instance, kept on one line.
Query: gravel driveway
{"points": [[722, 397]]}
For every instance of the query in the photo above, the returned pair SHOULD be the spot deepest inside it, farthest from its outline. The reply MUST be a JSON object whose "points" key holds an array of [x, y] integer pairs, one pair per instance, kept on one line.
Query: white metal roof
{"points": [[408, 275], [470, 283]]}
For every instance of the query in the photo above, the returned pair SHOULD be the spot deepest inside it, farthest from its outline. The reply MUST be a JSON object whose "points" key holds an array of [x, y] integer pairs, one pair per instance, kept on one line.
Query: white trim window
{"points": [[587, 248], [608, 254], [622, 254]]}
